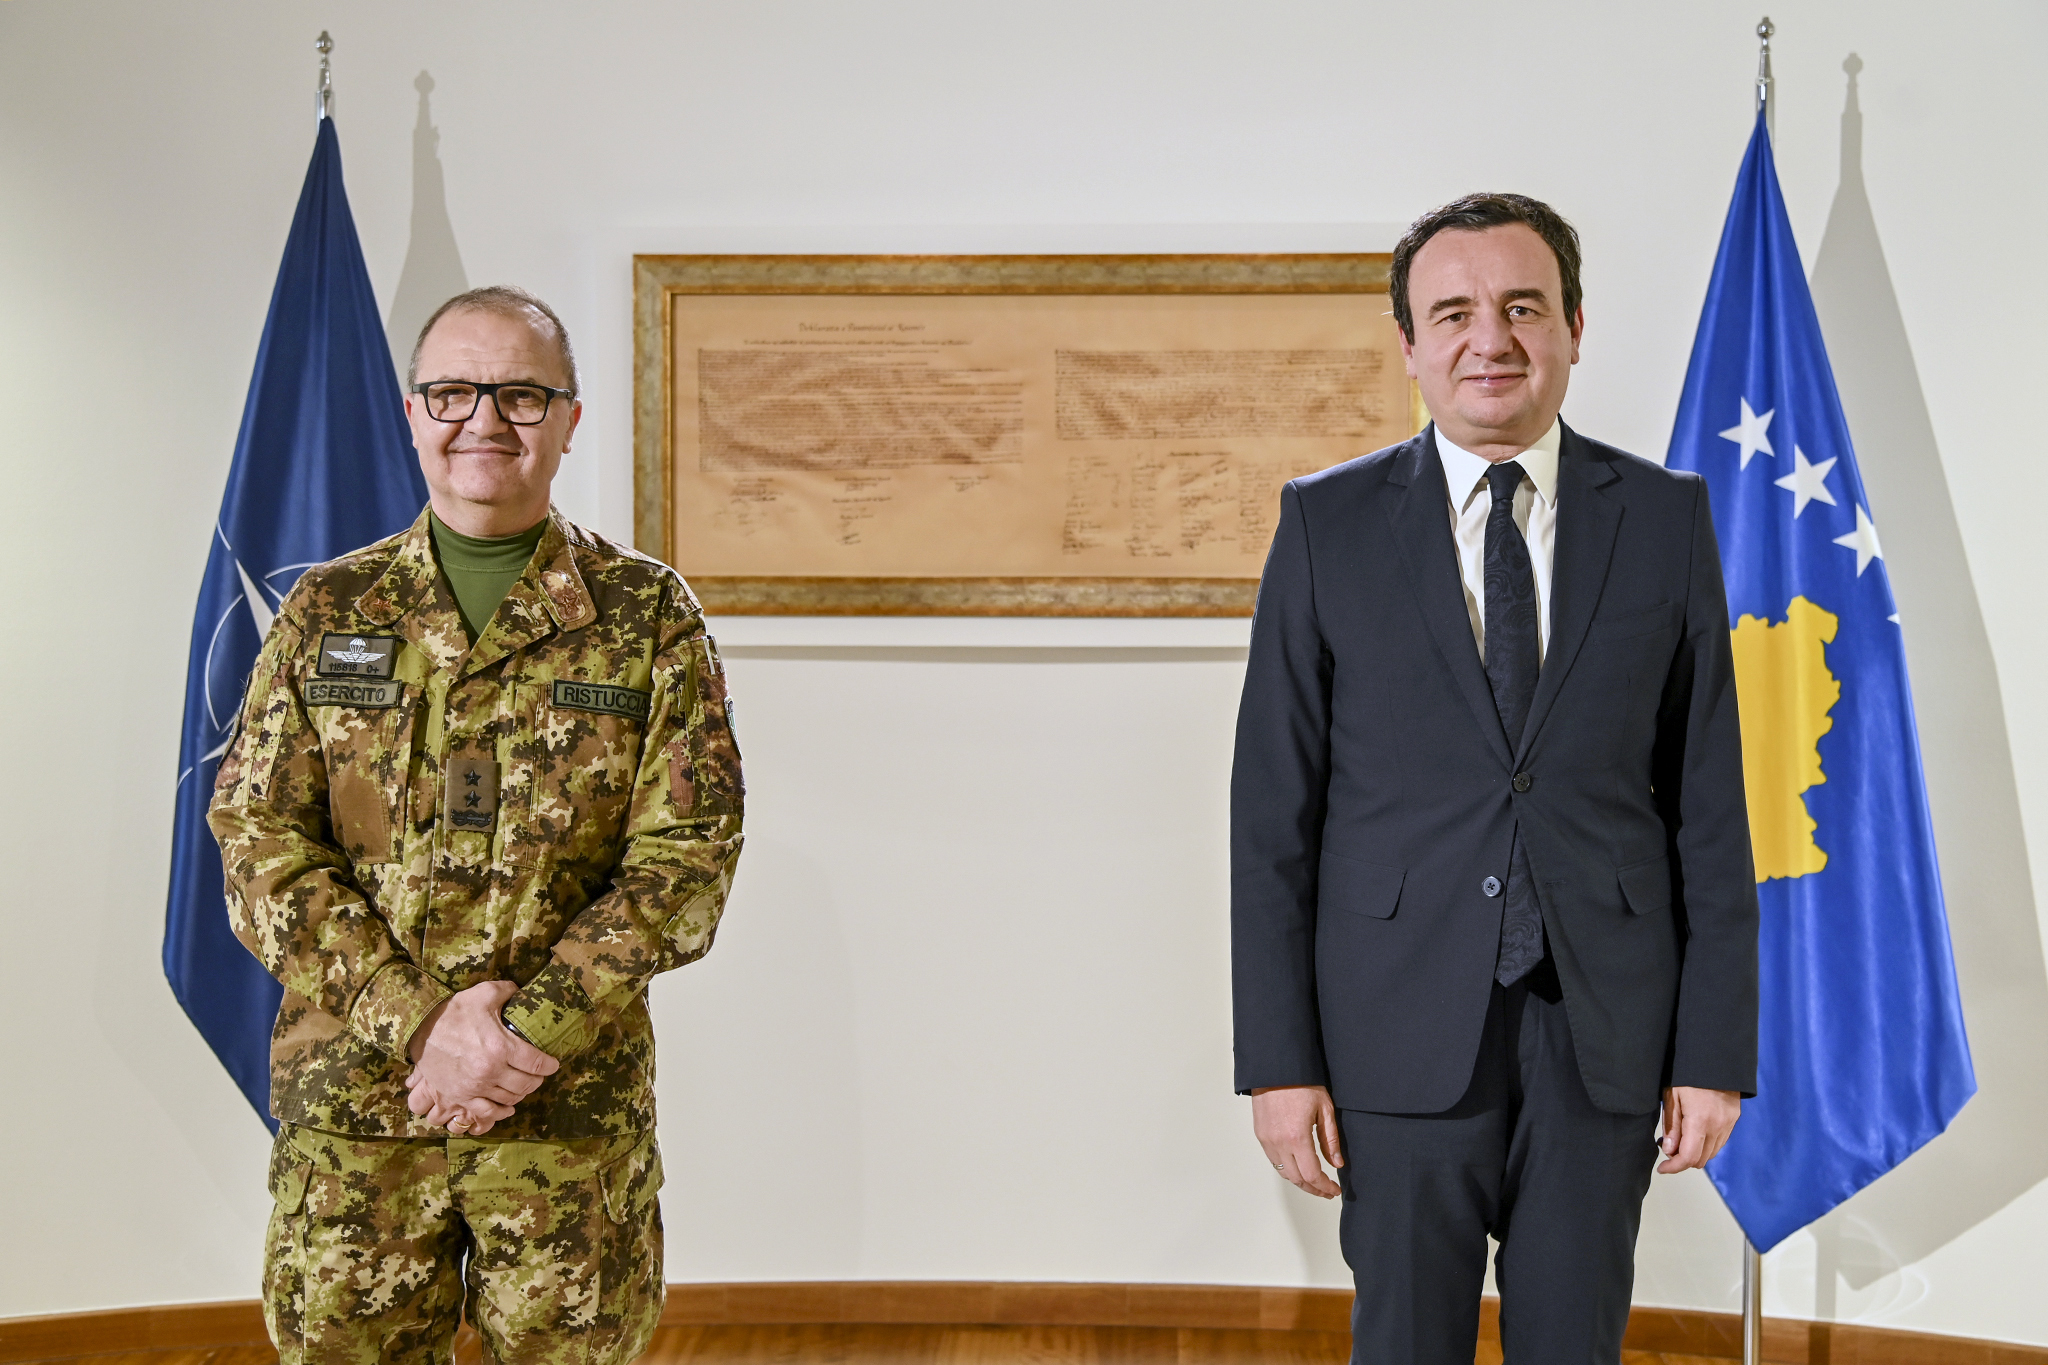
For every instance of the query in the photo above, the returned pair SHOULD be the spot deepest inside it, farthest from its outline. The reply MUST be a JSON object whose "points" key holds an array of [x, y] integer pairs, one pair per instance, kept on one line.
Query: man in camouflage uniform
{"points": [[465, 849]]}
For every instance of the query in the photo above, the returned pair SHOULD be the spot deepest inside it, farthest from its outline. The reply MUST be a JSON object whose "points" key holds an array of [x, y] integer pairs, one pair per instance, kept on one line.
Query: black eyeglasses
{"points": [[522, 404]]}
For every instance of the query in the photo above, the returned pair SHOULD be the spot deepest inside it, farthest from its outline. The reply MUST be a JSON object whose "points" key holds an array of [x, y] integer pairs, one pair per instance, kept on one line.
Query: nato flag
{"points": [[1863, 1057], [323, 464]]}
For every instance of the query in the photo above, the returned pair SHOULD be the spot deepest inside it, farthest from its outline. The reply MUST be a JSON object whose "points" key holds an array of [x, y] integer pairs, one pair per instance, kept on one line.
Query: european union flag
{"points": [[323, 465], [1863, 1056]]}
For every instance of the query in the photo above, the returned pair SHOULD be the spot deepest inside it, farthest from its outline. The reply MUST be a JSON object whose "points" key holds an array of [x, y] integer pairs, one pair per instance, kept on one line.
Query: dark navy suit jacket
{"points": [[1374, 792]]}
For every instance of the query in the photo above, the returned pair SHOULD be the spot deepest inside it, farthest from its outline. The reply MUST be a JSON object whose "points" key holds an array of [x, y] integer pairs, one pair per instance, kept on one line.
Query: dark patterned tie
{"points": [[1512, 663]]}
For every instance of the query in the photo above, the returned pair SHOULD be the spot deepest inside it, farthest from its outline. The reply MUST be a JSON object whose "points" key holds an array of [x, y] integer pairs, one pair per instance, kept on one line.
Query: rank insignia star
{"points": [[472, 799], [472, 777]]}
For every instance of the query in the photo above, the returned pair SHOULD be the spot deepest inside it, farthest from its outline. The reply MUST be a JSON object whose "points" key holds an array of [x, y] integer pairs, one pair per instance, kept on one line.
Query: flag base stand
{"points": [[1752, 1305]]}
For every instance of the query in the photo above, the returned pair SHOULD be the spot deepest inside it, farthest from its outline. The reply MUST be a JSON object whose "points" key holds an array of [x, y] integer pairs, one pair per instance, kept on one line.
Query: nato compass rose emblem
{"points": [[355, 653]]}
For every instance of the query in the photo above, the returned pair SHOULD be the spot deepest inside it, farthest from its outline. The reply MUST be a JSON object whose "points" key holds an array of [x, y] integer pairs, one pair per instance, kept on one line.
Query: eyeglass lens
{"points": [[517, 403]]}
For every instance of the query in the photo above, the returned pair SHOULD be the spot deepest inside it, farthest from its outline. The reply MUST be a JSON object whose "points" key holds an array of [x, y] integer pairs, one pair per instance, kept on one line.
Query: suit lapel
{"points": [[1587, 519], [1418, 511]]}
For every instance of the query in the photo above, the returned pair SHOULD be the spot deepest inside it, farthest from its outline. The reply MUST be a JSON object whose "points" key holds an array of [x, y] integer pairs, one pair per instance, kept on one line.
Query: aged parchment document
{"points": [[1139, 436]]}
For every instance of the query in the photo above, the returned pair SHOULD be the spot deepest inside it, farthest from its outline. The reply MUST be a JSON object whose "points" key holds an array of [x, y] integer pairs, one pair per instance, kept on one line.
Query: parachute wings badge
{"points": [[356, 654]]}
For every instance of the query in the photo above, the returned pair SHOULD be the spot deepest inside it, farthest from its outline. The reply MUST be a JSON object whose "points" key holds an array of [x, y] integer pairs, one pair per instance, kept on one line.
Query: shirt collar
{"points": [[1464, 471]]}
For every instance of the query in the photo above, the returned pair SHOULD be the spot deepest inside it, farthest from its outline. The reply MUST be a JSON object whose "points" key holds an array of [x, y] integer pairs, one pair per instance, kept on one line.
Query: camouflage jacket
{"points": [[402, 816]]}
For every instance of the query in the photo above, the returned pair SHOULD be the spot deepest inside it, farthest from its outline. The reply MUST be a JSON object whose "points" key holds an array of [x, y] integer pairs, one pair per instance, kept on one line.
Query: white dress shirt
{"points": [[1535, 513]]}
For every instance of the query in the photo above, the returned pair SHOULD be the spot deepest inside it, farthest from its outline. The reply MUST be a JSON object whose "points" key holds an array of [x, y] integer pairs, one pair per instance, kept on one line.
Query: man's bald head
{"points": [[504, 300]]}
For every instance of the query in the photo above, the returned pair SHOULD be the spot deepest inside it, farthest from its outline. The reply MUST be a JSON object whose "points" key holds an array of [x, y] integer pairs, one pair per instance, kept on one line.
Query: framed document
{"points": [[996, 435]]}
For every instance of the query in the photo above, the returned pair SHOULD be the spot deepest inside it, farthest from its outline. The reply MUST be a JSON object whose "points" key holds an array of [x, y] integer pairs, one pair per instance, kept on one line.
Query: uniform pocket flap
{"points": [[290, 1173], [1363, 888], [1647, 885], [632, 1182]]}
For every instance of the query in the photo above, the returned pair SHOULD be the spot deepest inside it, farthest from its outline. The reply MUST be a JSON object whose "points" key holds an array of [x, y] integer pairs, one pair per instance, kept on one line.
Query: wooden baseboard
{"points": [[1011, 1304], [1795, 1341], [1677, 1331], [173, 1327], [1787, 1341]]}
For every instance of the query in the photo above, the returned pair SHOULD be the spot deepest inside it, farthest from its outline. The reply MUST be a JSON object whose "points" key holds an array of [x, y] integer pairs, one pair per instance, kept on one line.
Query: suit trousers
{"points": [[1525, 1157]]}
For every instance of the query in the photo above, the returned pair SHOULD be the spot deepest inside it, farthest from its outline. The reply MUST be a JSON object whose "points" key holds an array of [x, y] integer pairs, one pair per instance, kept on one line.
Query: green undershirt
{"points": [[482, 571]]}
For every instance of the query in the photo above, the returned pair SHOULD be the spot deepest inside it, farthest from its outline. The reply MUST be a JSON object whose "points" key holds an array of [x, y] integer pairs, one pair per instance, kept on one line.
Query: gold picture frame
{"points": [[663, 284]]}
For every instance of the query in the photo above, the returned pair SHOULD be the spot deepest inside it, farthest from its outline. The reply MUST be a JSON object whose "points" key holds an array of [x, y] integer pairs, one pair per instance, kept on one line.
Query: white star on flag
{"points": [[259, 610], [1863, 540], [1807, 482], [1750, 434]]}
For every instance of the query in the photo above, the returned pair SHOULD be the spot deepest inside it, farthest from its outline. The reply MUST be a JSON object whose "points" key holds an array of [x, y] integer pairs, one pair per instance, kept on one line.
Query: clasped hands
{"points": [[1293, 1122], [469, 1070]]}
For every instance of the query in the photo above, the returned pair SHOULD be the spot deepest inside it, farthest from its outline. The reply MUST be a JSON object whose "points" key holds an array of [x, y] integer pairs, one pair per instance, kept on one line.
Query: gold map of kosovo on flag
{"points": [[1785, 692], [1861, 1053]]}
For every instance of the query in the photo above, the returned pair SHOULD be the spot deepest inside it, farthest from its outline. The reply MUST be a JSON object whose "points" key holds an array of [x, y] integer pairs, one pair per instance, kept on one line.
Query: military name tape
{"points": [[372, 695], [603, 697]]}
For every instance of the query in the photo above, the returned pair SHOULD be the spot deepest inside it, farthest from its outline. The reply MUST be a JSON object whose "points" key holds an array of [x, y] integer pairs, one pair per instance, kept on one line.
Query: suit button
{"points": [[1523, 782], [1491, 886]]}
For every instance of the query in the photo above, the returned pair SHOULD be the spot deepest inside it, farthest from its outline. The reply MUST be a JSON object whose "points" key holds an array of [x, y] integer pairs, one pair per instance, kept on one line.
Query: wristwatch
{"points": [[511, 1027]]}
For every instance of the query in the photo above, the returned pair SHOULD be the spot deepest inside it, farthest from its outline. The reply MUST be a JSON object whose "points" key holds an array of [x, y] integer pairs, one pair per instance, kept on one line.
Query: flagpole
{"points": [[1752, 1305], [1764, 83], [1752, 1259], [323, 97]]}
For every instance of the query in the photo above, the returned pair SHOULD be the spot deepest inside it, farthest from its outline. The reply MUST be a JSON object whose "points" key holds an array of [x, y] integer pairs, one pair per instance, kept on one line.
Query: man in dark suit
{"points": [[1491, 890]]}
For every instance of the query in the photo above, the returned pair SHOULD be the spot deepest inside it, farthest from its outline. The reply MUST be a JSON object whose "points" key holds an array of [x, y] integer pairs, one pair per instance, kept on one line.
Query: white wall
{"points": [[969, 1017]]}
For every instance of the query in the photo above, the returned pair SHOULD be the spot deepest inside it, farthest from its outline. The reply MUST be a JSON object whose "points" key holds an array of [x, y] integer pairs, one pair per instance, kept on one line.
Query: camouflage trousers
{"points": [[374, 1242]]}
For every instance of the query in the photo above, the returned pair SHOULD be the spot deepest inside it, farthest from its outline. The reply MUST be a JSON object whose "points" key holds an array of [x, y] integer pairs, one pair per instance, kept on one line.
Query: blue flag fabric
{"points": [[323, 465], [1863, 1057]]}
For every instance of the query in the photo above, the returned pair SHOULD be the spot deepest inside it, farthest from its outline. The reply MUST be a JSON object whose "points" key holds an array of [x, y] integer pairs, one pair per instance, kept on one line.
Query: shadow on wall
{"points": [[1993, 1152], [433, 264]]}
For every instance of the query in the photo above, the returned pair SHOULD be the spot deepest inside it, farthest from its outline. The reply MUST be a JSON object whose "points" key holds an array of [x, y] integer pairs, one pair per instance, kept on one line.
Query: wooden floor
{"points": [[839, 1344]]}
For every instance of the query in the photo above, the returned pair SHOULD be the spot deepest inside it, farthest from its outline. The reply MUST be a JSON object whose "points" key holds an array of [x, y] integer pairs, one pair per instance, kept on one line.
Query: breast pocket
{"points": [[365, 732], [569, 779], [1634, 625]]}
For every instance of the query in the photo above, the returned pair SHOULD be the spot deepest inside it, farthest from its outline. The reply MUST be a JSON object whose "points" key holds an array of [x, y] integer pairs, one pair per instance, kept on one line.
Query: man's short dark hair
{"points": [[507, 301], [1476, 213]]}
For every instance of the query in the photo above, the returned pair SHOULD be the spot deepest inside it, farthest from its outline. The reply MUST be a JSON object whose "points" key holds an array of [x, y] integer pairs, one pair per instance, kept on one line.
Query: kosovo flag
{"points": [[1863, 1057], [323, 465]]}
